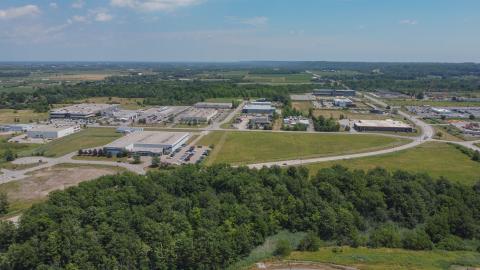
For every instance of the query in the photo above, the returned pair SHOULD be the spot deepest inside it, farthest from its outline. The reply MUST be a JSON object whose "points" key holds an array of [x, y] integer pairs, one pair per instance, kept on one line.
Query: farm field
{"points": [[125, 103], [279, 78], [252, 147], [35, 188], [350, 115], [87, 138], [407, 102], [435, 158], [384, 258], [8, 116]]}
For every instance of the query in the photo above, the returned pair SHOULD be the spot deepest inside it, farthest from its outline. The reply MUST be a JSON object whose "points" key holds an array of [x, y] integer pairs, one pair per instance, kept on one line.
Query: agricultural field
{"points": [[35, 188], [252, 147], [350, 115], [435, 158], [385, 258], [409, 102], [125, 103], [87, 138], [8, 116], [279, 78]]}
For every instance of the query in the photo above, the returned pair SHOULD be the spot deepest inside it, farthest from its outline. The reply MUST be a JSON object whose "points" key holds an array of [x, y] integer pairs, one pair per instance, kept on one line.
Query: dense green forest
{"points": [[152, 88], [209, 217]]}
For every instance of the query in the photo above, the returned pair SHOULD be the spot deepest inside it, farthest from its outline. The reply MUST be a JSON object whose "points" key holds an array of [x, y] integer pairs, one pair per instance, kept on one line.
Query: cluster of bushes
{"points": [[296, 127], [325, 124], [210, 217], [472, 154]]}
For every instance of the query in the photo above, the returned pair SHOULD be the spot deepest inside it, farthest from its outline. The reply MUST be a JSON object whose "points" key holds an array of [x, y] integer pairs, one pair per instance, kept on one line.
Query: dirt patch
{"points": [[22, 193]]}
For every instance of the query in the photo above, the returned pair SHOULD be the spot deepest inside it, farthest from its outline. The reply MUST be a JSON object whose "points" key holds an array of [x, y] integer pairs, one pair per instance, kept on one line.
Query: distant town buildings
{"points": [[83, 111], [334, 92], [213, 105], [198, 115], [16, 128]]}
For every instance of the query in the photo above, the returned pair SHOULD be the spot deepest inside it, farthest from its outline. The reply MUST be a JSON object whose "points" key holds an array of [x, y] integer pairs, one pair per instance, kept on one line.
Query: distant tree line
{"points": [[209, 217], [151, 88]]}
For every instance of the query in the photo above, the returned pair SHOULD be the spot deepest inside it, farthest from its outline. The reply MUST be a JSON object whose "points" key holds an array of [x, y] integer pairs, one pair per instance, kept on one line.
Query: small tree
{"points": [[136, 159], [3, 203], [109, 154], [310, 242], [471, 117], [476, 156], [283, 248], [9, 156], [155, 161], [80, 152]]}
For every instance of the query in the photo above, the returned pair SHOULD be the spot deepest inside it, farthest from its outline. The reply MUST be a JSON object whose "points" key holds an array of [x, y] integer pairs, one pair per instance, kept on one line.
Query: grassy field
{"points": [[251, 147], [87, 138], [8, 116], [279, 78], [383, 258], [409, 102], [435, 158], [302, 106], [125, 103], [444, 135], [19, 149]]}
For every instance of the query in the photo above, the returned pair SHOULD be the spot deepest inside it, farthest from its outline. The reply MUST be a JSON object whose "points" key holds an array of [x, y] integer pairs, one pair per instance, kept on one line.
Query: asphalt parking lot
{"points": [[188, 154]]}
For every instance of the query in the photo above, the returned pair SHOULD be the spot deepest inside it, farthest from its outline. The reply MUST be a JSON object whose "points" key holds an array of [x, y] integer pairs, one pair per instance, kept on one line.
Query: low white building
{"points": [[342, 102], [16, 128], [51, 132], [198, 115], [148, 142], [213, 105]]}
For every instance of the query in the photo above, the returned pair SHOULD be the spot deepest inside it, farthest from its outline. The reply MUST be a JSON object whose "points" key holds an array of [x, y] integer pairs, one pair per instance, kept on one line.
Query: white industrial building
{"points": [[51, 131], [160, 114], [16, 128], [342, 102], [83, 111], [256, 108], [148, 142], [382, 125], [213, 105]]}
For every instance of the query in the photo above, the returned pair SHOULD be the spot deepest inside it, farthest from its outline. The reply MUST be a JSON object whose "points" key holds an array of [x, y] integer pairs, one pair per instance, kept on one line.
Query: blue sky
{"points": [[231, 30]]}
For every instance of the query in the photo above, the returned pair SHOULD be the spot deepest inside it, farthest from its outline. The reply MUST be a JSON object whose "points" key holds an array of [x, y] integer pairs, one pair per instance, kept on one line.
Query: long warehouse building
{"points": [[382, 125], [83, 111], [148, 142]]}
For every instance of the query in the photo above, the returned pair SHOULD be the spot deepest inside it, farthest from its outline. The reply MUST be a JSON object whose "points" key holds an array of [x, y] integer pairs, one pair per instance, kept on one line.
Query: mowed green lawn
{"points": [[253, 147], [395, 259], [87, 138], [435, 158]]}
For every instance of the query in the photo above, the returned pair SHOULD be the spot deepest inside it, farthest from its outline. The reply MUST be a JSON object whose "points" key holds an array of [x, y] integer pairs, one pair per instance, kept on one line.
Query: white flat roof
{"points": [[381, 123], [46, 128], [148, 137], [84, 108]]}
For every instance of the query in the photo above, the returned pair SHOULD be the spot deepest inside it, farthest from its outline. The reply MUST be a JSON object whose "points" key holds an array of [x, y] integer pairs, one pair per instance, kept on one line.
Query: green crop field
{"points": [[251, 147], [87, 138], [8, 116], [384, 258], [435, 158]]}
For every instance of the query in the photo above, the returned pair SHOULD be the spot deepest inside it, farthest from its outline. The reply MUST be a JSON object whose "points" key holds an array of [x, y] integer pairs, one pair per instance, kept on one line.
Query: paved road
{"points": [[11, 175]]}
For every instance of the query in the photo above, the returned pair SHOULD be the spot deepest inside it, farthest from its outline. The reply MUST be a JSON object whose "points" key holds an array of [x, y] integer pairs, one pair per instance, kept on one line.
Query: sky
{"points": [[240, 30]]}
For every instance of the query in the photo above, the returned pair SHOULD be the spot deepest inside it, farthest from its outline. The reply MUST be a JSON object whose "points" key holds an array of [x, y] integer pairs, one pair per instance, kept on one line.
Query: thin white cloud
{"points": [[252, 21], [154, 5], [408, 22], [16, 12], [53, 5], [78, 4], [78, 18], [103, 17]]}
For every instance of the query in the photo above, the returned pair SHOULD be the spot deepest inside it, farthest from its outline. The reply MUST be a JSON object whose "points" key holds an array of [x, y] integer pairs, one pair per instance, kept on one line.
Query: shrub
{"points": [[451, 242], [310, 242], [283, 248], [417, 239]]}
